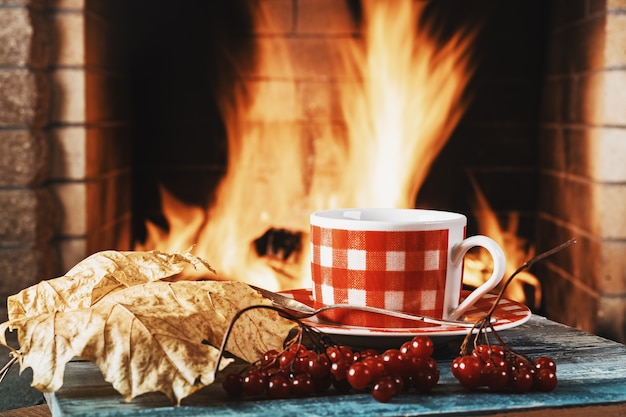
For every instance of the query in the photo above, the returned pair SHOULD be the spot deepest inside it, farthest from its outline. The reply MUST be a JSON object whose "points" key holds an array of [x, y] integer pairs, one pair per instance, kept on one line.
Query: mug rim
{"points": [[378, 218]]}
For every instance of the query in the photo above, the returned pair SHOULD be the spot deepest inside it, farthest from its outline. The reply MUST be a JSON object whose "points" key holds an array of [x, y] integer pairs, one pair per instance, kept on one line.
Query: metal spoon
{"points": [[306, 311]]}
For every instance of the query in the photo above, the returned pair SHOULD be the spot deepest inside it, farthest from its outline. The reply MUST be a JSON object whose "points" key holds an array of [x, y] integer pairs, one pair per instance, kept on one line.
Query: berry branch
{"points": [[300, 371], [499, 366]]}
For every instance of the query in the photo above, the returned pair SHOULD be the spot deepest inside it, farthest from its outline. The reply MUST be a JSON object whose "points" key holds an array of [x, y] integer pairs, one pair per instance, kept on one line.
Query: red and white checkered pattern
{"points": [[398, 270]]}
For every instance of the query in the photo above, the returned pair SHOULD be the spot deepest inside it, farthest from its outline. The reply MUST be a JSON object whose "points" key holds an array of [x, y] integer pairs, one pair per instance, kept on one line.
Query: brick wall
{"points": [[582, 166], [28, 211], [64, 143], [89, 126]]}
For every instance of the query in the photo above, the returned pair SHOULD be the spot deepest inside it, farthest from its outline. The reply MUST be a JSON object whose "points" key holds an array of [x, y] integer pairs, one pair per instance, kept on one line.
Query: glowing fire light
{"points": [[403, 100], [478, 265]]}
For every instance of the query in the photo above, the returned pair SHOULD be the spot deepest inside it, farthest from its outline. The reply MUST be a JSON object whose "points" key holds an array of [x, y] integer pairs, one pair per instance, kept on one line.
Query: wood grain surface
{"points": [[591, 370]]}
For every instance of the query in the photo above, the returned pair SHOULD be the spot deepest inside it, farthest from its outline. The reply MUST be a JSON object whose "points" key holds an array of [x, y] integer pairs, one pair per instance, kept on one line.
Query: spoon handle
{"points": [[289, 303]]}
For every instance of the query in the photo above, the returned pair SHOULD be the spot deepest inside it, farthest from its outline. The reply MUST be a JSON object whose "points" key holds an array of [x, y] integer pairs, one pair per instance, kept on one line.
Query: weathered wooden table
{"points": [[591, 371]]}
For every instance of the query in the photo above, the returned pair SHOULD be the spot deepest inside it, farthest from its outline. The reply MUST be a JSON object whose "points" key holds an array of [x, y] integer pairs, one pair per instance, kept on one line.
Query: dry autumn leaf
{"points": [[96, 276], [144, 334], [150, 337]]}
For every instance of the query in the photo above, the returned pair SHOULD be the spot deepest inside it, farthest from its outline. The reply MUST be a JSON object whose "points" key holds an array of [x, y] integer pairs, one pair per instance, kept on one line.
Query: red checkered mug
{"points": [[408, 260]]}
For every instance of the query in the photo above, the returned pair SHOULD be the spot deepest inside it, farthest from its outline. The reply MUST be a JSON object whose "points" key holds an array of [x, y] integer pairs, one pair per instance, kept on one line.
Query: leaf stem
{"points": [[527, 265], [5, 369], [237, 316]]}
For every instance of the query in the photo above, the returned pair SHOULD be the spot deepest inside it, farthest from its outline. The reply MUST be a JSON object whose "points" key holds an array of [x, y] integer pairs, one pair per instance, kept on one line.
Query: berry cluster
{"points": [[500, 369], [299, 371]]}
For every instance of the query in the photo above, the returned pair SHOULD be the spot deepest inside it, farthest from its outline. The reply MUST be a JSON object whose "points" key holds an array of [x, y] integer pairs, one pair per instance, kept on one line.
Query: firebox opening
{"points": [[189, 57]]}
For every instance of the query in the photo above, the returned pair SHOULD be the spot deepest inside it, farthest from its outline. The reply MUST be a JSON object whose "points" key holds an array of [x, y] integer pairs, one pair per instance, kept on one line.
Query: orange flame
{"points": [[403, 100], [408, 104], [478, 265]]}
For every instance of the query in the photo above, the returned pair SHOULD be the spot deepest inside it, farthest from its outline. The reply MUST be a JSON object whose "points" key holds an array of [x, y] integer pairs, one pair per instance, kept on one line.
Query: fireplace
{"points": [[105, 104]]}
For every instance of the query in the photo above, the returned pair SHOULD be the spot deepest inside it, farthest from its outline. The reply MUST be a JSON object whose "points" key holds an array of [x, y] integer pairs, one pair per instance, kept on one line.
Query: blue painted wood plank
{"points": [[591, 371]]}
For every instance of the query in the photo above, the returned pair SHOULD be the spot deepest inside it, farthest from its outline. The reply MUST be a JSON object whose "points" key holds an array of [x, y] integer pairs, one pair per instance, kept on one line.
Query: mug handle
{"points": [[499, 265]]}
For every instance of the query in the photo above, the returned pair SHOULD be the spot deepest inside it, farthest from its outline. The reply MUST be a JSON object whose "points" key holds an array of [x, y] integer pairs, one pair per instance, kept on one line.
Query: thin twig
{"points": [[485, 321], [527, 265], [237, 316]]}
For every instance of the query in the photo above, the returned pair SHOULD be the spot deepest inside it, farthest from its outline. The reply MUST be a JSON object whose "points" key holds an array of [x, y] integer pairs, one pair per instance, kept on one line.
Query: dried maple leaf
{"points": [[150, 337], [95, 277]]}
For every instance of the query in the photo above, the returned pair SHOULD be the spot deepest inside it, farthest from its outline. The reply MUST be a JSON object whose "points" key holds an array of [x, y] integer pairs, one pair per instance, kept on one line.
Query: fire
{"points": [[478, 264], [403, 98], [407, 106]]}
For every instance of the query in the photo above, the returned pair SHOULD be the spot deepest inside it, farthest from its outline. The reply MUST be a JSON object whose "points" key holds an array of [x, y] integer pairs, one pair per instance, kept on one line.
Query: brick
{"points": [[274, 17], [558, 194], [113, 235], [567, 11], [324, 17], [506, 188], [72, 250], [587, 100], [24, 98], [317, 100], [595, 204], [608, 199], [89, 206], [20, 268], [107, 38], [551, 232], [614, 96], [554, 105], [566, 301], [107, 97], [611, 267], [597, 6], [330, 157], [69, 39], [508, 101], [69, 153], [28, 217], [107, 41], [271, 91], [578, 47], [317, 58], [68, 87], [72, 198], [497, 145], [609, 154], [614, 51], [67, 4], [108, 149], [615, 5], [591, 152], [110, 10], [36, 4], [15, 36], [24, 37], [23, 157], [308, 58], [108, 199], [598, 98], [598, 264]]}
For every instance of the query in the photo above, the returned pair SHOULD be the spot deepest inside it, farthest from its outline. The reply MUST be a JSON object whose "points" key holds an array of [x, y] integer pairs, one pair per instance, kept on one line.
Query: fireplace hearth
{"points": [[104, 104]]}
